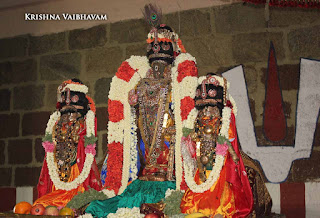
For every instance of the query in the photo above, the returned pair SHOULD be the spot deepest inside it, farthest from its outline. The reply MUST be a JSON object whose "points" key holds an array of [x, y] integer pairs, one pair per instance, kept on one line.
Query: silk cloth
{"points": [[219, 199], [47, 192], [230, 196], [137, 193]]}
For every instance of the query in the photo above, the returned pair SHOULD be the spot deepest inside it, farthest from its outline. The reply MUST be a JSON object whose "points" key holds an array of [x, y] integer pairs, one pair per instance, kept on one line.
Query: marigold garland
{"points": [[188, 68], [187, 104], [114, 164], [125, 72], [91, 104], [115, 109]]}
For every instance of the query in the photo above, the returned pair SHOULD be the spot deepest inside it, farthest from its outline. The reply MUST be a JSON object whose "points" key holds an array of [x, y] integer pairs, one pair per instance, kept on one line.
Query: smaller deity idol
{"points": [[69, 166], [214, 170]]}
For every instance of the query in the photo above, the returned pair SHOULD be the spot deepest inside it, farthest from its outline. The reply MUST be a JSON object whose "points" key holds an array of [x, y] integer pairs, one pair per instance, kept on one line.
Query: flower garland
{"points": [[221, 151], [127, 77], [178, 94], [127, 212], [90, 152], [76, 88], [86, 215], [133, 146]]}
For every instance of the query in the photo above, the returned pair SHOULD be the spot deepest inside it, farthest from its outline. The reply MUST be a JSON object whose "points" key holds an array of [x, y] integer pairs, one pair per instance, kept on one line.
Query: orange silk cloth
{"points": [[219, 199], [60, 198]]}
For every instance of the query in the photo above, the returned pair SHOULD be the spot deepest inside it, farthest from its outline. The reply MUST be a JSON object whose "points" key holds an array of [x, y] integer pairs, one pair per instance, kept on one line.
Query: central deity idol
{"points": [[150, 103]]}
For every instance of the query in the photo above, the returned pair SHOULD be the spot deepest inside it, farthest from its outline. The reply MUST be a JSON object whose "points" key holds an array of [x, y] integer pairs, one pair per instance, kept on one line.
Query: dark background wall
{"points": [[31, 69]]}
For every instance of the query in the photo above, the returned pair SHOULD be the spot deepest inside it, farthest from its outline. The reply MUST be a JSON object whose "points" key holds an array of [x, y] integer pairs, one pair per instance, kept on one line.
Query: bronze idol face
{"points": [[160, 69], [209, 112], [73, 102]]}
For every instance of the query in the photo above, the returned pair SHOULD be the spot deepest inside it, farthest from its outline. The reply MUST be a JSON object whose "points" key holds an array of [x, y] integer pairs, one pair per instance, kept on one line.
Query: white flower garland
{"points": [[52, 167], [178, 91], [219, 160], [234, 105], [86, 215], [90, 124], [121, 131], [189, 122], [226, 115], [108, 193], [76, 88], [133, 147], [169, 192], [127, 212], [54, 176], [52, 121]]}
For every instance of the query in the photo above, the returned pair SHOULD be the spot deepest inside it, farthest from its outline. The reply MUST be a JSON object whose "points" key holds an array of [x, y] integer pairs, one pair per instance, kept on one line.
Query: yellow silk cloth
{"points": [[60, 198], [219, 199]]}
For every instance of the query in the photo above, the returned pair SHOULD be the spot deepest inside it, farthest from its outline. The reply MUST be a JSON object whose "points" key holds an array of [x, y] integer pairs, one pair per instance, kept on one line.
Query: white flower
{"points": [[76, 88], [226, 114], [169, 192], [54, 176], [189, 122], [234, 105], [87, 215], [127, 212], [90, 123], [213, 177], [133, 146], [115, 131], [108, 193], [54, 117]]}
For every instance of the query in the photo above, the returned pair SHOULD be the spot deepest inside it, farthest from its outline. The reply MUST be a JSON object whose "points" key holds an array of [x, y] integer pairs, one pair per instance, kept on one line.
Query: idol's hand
{"points": [[133, 97], [233, 154]]}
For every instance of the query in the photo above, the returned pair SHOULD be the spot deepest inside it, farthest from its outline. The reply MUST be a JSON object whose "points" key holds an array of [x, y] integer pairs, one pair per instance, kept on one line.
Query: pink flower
{"points": [[221, 149], [90, 149], [48, 146]]}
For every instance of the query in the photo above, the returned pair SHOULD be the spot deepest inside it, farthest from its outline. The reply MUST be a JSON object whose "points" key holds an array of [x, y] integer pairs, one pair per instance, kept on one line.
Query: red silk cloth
{"points": [[231, 195], [237, 176], [45, 185], [288, 3]]}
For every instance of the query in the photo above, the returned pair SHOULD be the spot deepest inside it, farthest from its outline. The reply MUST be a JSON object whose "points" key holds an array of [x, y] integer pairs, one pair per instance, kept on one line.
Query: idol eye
{"points": [[156, 48], [75, 98], [63, 98]]}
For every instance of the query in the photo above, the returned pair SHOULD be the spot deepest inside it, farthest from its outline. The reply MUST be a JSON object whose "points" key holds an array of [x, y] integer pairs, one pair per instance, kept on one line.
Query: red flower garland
{"points": [[183, 185], [114, 166], [115, 110], [125, 72], [187, 68], [187, 104]]}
